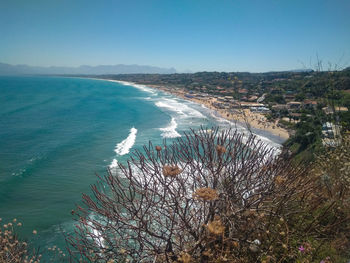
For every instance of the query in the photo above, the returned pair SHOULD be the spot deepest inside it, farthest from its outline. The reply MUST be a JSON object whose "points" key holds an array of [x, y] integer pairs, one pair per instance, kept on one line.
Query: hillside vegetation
{"points": [[211, 196]]}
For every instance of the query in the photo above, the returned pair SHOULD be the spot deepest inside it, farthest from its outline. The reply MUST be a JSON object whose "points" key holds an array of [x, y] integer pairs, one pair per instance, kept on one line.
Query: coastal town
{"points": [[252, 111], [249, 113], [303, 108], [175, 131]]}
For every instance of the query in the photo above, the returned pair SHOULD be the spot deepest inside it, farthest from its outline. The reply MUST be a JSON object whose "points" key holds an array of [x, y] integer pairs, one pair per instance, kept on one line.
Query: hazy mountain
{"points": [[7, 69], [301, 70], [292, 70]]}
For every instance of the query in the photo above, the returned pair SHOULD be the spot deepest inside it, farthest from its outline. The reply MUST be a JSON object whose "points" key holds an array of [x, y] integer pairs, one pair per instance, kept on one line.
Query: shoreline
{"points": [[250, 120], [255, 122]]}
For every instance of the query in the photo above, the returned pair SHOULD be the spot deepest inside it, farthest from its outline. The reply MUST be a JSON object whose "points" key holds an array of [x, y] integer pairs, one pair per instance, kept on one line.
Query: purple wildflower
{"points": [[301, 249]]}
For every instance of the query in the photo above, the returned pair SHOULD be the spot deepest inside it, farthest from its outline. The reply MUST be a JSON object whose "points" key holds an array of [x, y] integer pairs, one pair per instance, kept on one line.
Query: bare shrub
{"points": [[12, 249], [208, 197]]}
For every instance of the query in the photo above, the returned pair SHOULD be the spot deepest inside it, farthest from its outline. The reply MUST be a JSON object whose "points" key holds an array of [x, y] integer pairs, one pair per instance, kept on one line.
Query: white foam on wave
{"points": [[179, 107], [274, 146], [93, 232], [144, 88], [125, 146], [98, 238], [113, 166], [138, 86], [161, 104], [170, 131], [271, 145], [242, 129], [220, 119]]}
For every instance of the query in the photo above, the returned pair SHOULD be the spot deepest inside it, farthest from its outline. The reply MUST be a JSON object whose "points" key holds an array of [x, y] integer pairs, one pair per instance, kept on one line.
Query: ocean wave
{"points": [[144, 88], [113, 166], [94, 233], [180, 108], [246, 135], [161, 104], [28, 166], [19, 172], [276, 147], [138, 86], [170, 131], [124, 147], [220, 119]]}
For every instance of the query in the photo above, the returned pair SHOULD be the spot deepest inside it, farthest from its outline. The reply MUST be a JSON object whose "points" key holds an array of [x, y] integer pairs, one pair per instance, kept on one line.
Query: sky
{"points": [[194, 35]]}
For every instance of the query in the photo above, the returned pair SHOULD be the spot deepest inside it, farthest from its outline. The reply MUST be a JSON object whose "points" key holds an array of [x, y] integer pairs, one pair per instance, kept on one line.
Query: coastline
{"points": [[256, 122], [249, 120]]}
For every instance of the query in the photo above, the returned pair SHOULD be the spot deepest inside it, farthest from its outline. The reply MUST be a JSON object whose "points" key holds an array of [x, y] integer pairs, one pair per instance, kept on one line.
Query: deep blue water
{"points": [[56, 133]]}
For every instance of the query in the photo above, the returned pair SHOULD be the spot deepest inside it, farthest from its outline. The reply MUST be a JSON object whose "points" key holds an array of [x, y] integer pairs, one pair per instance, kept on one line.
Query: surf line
{"points": [[124, 147]]}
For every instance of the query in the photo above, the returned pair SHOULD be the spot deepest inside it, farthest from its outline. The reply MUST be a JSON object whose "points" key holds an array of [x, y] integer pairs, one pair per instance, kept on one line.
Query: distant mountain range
{"points": [[301, 70], [293, 71], [7, 69]]}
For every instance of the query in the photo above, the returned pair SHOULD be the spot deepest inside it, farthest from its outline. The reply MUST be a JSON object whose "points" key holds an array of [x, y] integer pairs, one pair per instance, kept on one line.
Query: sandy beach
{"points": [[244, 116]]}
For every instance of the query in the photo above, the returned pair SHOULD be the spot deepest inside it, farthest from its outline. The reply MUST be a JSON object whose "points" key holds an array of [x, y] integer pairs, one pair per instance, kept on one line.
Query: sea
{"points": [[57, 133]]}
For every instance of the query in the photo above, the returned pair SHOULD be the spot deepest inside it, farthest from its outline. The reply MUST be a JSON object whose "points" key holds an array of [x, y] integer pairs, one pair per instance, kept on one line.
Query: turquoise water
{"points": [[56, 133]]}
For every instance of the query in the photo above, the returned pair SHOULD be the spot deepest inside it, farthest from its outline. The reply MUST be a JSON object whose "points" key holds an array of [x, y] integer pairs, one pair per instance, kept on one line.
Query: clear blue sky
{"points": [[221, 35]]}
